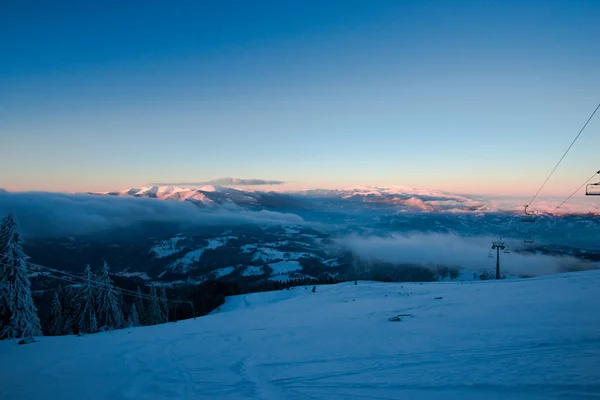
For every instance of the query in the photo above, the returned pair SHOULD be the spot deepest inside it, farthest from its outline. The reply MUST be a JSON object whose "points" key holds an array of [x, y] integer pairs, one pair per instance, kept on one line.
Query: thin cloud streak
{"points": [[224, 182]]}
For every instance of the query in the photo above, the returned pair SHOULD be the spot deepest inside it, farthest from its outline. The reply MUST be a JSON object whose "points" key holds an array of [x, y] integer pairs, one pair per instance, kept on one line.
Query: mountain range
{"points": [[401, 198]]}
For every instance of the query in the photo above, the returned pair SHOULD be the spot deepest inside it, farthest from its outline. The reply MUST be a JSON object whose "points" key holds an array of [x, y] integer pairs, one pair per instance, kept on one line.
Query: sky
{"points": [[465, 96]]}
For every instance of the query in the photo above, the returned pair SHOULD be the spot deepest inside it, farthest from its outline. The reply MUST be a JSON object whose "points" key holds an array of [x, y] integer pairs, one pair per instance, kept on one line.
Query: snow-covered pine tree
{"points": [[141, 308], [134, 318], [164, 305], [154, 313], [122, 305], [18, 314], [69, 309], [57, 323], [87, 322], [109, 309]]}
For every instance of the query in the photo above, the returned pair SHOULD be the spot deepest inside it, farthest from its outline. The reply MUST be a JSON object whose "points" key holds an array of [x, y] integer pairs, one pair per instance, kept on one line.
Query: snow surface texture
{"points": [[267, 254], [141, 275], [283, 271], [221, 272], [283, 267], [253, 271], [185, 262], [167, 247], [521, 339], [192, 257]]}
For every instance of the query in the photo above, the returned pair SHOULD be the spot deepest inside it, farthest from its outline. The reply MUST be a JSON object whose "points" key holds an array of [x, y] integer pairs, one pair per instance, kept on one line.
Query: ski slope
{"points": [[520, 339]]}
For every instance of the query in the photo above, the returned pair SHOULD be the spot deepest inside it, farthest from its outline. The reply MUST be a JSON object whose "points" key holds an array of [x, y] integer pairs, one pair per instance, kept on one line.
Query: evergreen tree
{"points": [[69, 309], [87, 322], [134, 319], [57, 324], [18, 314], [154, 312], [141, 308], [122, 305], [164, 305], [109, 309]]}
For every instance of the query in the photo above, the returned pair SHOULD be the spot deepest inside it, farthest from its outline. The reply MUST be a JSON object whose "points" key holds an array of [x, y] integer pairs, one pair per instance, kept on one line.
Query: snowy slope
{"points": [[185, 263], [284, 267], [518, 339], [221, 272], [166, 248]]}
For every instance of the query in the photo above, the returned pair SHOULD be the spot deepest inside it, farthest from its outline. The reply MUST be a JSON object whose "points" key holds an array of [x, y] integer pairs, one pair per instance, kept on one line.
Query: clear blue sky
{"points": [[469, 96]]}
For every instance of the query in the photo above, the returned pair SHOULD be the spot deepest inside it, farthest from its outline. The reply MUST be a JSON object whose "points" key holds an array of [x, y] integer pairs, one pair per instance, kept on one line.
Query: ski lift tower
{"points": [[499, 245]]}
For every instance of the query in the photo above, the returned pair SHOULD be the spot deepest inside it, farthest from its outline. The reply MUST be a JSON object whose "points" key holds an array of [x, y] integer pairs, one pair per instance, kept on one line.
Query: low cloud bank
{"points": [[470, 253], [55, 214]]}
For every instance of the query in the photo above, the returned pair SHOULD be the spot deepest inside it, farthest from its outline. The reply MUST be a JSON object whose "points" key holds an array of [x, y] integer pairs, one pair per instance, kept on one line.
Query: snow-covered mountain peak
{"points": [[160, 191]]}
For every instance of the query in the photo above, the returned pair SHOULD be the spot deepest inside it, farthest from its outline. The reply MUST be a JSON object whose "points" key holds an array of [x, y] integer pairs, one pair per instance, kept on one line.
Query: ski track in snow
{"points": [[520, 339]]}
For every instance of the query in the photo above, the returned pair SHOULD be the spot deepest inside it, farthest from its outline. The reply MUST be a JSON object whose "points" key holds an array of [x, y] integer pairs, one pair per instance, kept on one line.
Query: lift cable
{"points": [[563, 156], [81, 280], [576, 190]]}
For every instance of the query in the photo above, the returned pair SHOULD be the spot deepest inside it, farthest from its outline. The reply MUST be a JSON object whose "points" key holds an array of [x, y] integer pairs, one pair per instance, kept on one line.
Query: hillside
{"points": [[536, 338], [171, 235]]}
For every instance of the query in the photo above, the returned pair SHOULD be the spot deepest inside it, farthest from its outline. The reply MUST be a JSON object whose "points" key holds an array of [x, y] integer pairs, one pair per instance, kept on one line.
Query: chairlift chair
{"points": [[527, 217], [593, 189], [490, 255], [528, 239]]}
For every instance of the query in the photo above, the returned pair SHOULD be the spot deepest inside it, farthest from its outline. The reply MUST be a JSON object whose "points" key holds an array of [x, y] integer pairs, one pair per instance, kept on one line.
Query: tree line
{"points": [[96, 303], [99, 305], [88, 307]]}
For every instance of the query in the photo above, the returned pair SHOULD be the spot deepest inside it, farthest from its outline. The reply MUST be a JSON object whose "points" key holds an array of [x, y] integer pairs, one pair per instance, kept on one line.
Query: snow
{"points": [[219, 242], [19, 313], [267, 254], [248, 248], [536, 338], [141, 275], [334, 262], [190, 195], [253, 271], [193, 256], [221, 272], [160, 192], [284, 267], [187, 260], [291, 230], [167, 247], [170, 193], [147, 190]]}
